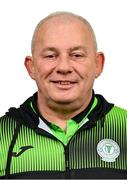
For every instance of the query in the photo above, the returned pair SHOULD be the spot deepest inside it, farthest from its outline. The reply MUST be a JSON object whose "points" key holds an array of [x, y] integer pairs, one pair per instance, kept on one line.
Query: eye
{"points": [[77, 55], [50, 56]]}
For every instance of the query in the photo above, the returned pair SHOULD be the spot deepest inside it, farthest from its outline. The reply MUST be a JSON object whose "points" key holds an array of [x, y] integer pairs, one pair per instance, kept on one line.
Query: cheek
{"points": [[87, 71], [42, 70]]}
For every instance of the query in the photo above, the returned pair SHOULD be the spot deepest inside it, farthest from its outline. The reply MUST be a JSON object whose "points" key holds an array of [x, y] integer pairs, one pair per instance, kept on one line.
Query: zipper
{"points": [[67, 171]]}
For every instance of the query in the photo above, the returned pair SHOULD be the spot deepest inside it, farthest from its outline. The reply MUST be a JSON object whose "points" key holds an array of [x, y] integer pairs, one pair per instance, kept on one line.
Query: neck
{"points": [[60, 113]]}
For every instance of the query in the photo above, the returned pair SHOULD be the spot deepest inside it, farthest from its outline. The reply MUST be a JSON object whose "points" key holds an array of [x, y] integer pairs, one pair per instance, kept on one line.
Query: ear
{"points": [[29, 64], [99, 63]]}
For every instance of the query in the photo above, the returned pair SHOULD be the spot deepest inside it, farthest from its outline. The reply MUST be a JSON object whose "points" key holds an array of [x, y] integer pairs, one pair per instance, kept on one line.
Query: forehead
{"points": [[62, 19], [63, 31]]}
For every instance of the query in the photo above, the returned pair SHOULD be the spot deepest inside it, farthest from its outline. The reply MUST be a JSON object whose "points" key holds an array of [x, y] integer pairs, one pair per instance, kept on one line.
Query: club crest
{"points": [[108, 150]]}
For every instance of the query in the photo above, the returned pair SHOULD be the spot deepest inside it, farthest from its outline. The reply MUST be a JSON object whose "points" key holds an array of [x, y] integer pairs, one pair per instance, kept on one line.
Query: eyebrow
{"points": [[79, 48], [70, 49], [49, 49]]}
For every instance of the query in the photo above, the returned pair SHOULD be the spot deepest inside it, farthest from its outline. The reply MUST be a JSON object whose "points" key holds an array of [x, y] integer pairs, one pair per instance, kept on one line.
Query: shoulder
{"points": [[7, 123], [118, 115], [119, 111], [7, 129]]}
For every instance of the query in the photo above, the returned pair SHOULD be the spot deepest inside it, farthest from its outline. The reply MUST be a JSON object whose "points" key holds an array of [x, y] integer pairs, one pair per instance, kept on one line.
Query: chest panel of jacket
{"points": [[35, 152]]}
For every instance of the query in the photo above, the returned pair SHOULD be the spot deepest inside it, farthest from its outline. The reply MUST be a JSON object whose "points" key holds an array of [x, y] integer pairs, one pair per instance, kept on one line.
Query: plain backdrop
{"points": [[18, 19]]}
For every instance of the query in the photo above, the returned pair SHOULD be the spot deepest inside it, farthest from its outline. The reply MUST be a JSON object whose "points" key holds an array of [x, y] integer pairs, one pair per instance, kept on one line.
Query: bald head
{"points": [[62, 17]]}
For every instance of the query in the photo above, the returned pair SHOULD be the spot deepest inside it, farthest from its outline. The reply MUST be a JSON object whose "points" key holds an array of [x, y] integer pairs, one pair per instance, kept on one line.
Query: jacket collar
{"points": [[29, 115]]}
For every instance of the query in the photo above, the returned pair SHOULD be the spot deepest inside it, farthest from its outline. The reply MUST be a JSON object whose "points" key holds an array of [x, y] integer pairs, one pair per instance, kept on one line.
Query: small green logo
{"points": [[108, 148]]}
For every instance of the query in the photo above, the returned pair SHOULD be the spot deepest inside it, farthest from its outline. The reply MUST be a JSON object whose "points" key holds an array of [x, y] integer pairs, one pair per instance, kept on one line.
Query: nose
{"points": [[64, 65]]}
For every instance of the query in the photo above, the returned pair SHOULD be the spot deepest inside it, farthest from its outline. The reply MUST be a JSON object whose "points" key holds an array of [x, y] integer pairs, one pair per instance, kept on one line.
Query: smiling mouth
{"points": [[63, 82]]}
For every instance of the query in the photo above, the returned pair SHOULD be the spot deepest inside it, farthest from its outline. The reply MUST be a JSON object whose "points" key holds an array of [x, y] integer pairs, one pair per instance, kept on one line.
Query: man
{"points": [[64, 130]]}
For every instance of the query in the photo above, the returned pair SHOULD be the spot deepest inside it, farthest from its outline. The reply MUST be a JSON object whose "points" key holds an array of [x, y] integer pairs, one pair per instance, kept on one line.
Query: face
{"points": [[64, 62]]}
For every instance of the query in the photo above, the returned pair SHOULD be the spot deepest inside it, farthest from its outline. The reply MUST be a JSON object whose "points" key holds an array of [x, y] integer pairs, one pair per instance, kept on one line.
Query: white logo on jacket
{"points": [[108, 150]]}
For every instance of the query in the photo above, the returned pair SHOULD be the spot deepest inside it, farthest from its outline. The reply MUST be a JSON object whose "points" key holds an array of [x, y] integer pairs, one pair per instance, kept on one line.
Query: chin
{"points": [[63, 101]]}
